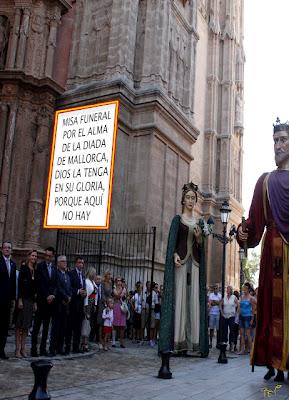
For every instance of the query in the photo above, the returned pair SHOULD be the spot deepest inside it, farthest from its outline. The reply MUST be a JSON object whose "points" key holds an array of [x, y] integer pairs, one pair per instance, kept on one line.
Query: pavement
{"points": [[131, 373]]}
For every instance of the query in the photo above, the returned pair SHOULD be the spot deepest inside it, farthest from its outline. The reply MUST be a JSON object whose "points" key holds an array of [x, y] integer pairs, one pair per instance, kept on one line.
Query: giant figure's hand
{"points": [[198, 234], [177, 260], [243, 235]]}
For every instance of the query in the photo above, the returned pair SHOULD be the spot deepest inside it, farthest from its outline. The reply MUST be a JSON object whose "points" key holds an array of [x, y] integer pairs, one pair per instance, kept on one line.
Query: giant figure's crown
{"points": [[190, 186], [281, 126]]}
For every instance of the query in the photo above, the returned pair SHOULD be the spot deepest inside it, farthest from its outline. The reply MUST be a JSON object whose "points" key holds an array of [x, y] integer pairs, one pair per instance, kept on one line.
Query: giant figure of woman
{"points": [[184, 307]]}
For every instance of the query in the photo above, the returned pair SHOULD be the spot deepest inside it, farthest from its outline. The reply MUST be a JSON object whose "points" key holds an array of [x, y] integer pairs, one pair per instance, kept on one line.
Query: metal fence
{"points": [[125, 253]]}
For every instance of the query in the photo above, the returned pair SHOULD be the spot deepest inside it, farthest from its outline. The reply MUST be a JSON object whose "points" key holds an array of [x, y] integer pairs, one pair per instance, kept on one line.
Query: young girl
{"points": [[107, 316]]}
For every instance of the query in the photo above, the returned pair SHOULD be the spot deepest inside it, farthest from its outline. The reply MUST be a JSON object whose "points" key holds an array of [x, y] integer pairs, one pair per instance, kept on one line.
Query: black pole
{"points": [[241, 275], [222, 345], [153, 253], [224, 258], [99, 256], [152, 279], [57, 246]]}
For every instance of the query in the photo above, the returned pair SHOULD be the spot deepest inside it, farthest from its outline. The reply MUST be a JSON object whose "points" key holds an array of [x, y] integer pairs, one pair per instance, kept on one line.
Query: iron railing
{"points": [[130, 254]]}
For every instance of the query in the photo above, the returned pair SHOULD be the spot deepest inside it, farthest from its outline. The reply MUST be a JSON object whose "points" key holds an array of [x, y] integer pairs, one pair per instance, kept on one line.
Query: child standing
{"points": [[107, 316]]}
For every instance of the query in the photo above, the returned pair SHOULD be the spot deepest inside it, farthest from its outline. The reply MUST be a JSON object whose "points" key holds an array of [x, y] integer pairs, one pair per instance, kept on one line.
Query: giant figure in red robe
{"points": [[269, 215]]}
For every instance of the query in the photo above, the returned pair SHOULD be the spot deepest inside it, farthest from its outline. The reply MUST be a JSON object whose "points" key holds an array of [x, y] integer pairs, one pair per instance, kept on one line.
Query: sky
{"points": [[266, 85]]}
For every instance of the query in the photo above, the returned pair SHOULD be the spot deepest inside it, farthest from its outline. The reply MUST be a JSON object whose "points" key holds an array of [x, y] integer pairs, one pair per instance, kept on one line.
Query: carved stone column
{"points": [[4, 112], [6, 166], [23, 38], [51, 47], [14, 36], [35, 205]]}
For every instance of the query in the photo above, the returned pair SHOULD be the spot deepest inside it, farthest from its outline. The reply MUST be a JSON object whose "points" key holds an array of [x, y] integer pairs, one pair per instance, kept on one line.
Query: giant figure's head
{"points": [[281, 144], [189, 196]]}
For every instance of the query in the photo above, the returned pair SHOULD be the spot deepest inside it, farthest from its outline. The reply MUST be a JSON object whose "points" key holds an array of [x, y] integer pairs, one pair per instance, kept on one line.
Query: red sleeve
{"points": [[256, 221]]}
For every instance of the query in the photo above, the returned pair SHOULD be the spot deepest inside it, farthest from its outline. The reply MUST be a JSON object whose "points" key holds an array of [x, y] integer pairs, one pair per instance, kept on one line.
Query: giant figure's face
{"points": [[281, 148], [189, 200]]}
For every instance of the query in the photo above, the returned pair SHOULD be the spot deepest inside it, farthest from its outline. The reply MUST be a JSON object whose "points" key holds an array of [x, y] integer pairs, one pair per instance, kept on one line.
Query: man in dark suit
{"points": [[7, 293], [96, 318], [76, 306], [62, 299], [45, 279]]}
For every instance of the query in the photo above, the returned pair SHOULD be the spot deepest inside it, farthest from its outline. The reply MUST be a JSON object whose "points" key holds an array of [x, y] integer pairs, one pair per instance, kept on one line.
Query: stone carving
{"points": [[229, 29], [95, 38], [37, 45], [52, 34], [238, 109], [37, 25], [214, 24], [179, 65], [240, 60], [202, 4], [4, 36], [9, 90], [43, 119]]}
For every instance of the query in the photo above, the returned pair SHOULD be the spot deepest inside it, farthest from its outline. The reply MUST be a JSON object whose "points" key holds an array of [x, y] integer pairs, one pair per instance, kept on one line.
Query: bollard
{"points": [[222, 357], [164, 372], [41, 370]]}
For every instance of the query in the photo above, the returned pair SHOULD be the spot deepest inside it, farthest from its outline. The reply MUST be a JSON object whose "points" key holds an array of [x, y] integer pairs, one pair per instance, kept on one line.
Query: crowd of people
{"points": [[233, 317], [74, 307]]}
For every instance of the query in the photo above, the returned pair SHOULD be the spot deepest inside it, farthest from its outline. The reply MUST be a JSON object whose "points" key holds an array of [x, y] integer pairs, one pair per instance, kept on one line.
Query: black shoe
{"points": [[66, 352], [3, 356], [279, 377], [34, 353], [52, 354], [270, 373], [43, 353], [76, 351]]}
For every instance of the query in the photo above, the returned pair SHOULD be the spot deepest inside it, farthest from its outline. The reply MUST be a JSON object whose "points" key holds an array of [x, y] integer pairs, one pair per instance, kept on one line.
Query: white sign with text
{"points": [[81, 167]]}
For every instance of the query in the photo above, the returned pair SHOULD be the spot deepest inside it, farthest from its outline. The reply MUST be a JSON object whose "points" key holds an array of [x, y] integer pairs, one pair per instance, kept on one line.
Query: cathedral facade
{"points": [[176, 66]]}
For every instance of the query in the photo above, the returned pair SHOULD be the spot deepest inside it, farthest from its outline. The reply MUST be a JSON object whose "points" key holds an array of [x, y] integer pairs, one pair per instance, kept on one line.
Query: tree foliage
{"points": [[251, 267]]}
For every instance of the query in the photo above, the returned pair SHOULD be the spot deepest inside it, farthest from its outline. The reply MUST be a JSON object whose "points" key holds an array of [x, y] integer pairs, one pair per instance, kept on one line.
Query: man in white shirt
{"points": [[214, 312]]}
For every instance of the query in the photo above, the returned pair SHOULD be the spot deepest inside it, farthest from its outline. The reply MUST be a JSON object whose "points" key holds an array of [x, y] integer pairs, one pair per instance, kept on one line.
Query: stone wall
{"points": [[28, 43], [177, 68]]}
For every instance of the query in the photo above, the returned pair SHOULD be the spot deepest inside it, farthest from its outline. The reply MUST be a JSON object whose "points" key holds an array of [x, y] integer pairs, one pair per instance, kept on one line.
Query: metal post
{"points": [[241, 275], [57, 246], [152, 279], [224, 258], [153, 253], [99, 256], [222, 345]]}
